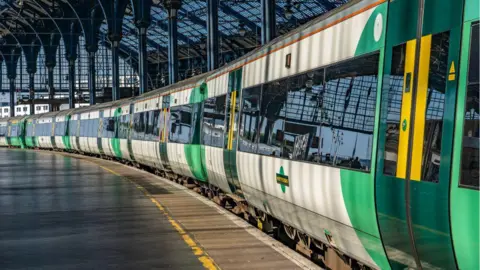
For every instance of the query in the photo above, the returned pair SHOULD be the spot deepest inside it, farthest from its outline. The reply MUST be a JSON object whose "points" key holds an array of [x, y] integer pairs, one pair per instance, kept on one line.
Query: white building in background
{"points": [[21, 110]]}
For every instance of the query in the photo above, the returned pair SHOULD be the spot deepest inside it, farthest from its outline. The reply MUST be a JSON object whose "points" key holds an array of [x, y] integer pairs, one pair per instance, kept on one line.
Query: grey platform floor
{"points": [[58, 212]]}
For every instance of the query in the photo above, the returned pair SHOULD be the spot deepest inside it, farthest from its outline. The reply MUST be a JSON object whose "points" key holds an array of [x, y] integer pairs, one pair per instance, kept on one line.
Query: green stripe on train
{"points": [[193, 152], [115, 142]]}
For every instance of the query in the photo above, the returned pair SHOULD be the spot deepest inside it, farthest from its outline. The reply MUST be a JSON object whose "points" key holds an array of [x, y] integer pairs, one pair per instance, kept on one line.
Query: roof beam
{"points": [[230, 11]]}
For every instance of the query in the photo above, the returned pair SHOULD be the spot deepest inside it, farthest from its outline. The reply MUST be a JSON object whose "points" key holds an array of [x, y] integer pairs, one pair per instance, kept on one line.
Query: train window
{"points": [[249, 119], [181, 129], [73, 128], [124, 126], [139, 126], [392, 99], [348, 113], [3, 131], [433, 104], [303, 110], [213, 126], [469, 176], [13, 130], [89, 129], [48, 129], [272, 118], [28, 130], [155, 124], [96, 127], [60, 129], [148, 125], [83, 126]]}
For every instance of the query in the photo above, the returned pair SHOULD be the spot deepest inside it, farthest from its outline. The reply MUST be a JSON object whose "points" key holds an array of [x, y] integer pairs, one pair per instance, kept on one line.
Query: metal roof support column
{"points": [[50, 46], [31, 89], [212, 34], [92, 86], [115, 11], [115, 70], [12, 53], [1, 76], [71, 44], [172, 7], [51, 89], [71, 83], [91, 29], [142, 59], [31, 54], [12, 96], [172, 47], [268, 20], [142, 10]]}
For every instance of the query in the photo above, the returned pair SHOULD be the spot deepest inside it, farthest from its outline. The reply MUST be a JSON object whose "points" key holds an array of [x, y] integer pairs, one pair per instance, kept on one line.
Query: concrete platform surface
{"points": [[66, 211]]}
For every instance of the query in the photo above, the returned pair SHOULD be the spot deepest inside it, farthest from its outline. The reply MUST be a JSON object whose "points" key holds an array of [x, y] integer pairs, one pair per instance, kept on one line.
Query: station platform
{"points": [[66, 211]]}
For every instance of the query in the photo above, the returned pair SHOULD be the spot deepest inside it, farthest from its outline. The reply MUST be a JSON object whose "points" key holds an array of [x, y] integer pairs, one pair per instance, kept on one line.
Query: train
{"points": [[319, 136]]}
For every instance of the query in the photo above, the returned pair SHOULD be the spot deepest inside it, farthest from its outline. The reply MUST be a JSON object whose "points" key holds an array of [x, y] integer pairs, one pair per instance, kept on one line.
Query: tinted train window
{"points": [[181, 120], [48, 129], [108, 127], [272, 118], [3, 131], [430, 103], [60, 129], [470, 144], [434, 103], [73, 127], [124, 126], [28, 131], [213, 126], [392, 99], [13, 130], [139, 126], [155, 122], [348, 113], [249, 119], [303, 110]]}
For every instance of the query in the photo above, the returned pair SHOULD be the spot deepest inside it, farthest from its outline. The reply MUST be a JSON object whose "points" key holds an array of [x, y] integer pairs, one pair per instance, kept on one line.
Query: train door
{"points": [[164, 124], [230, 146], [416, 133], [464, 193], [99, 133]]}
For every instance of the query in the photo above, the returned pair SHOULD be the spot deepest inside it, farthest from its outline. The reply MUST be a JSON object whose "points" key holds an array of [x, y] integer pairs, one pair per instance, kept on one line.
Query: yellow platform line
{"points": [[203, 257]]}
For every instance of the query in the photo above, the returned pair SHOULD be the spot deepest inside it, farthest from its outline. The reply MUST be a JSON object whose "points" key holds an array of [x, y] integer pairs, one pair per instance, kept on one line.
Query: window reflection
{"points": [[323, 116], [213, 121], [470, 145], [272, 118], [348, 113], [181, 123], [249, 119]]}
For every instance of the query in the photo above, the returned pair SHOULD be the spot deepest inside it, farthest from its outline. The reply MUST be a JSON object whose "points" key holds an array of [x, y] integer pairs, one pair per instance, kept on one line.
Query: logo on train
{"points": [[282, 179]]}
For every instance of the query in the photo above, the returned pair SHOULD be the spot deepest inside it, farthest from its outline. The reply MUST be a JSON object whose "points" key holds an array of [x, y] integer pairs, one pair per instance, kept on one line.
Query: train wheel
{"points": [[290, 231]]}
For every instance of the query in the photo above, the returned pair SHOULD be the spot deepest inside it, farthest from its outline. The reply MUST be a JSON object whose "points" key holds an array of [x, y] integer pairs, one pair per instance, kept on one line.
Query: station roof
{"points": [[239, 23]]}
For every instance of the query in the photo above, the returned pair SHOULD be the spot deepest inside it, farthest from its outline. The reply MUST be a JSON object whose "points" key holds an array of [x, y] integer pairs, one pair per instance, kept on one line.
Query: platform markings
{"points": [[203, 257], [288, 253]]}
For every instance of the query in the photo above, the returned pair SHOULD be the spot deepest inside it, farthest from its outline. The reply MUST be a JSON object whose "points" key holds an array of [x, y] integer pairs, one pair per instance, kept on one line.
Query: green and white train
{"points": [[311, 135]]}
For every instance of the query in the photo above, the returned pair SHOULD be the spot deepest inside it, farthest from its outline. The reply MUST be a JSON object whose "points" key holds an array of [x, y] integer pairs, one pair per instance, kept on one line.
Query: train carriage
{"points": [[15, 135], [3, 132], [320, 135]]}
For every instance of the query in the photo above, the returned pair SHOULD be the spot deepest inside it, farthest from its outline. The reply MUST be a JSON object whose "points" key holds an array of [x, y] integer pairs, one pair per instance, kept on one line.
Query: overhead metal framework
{"points": [[207, 34]]}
